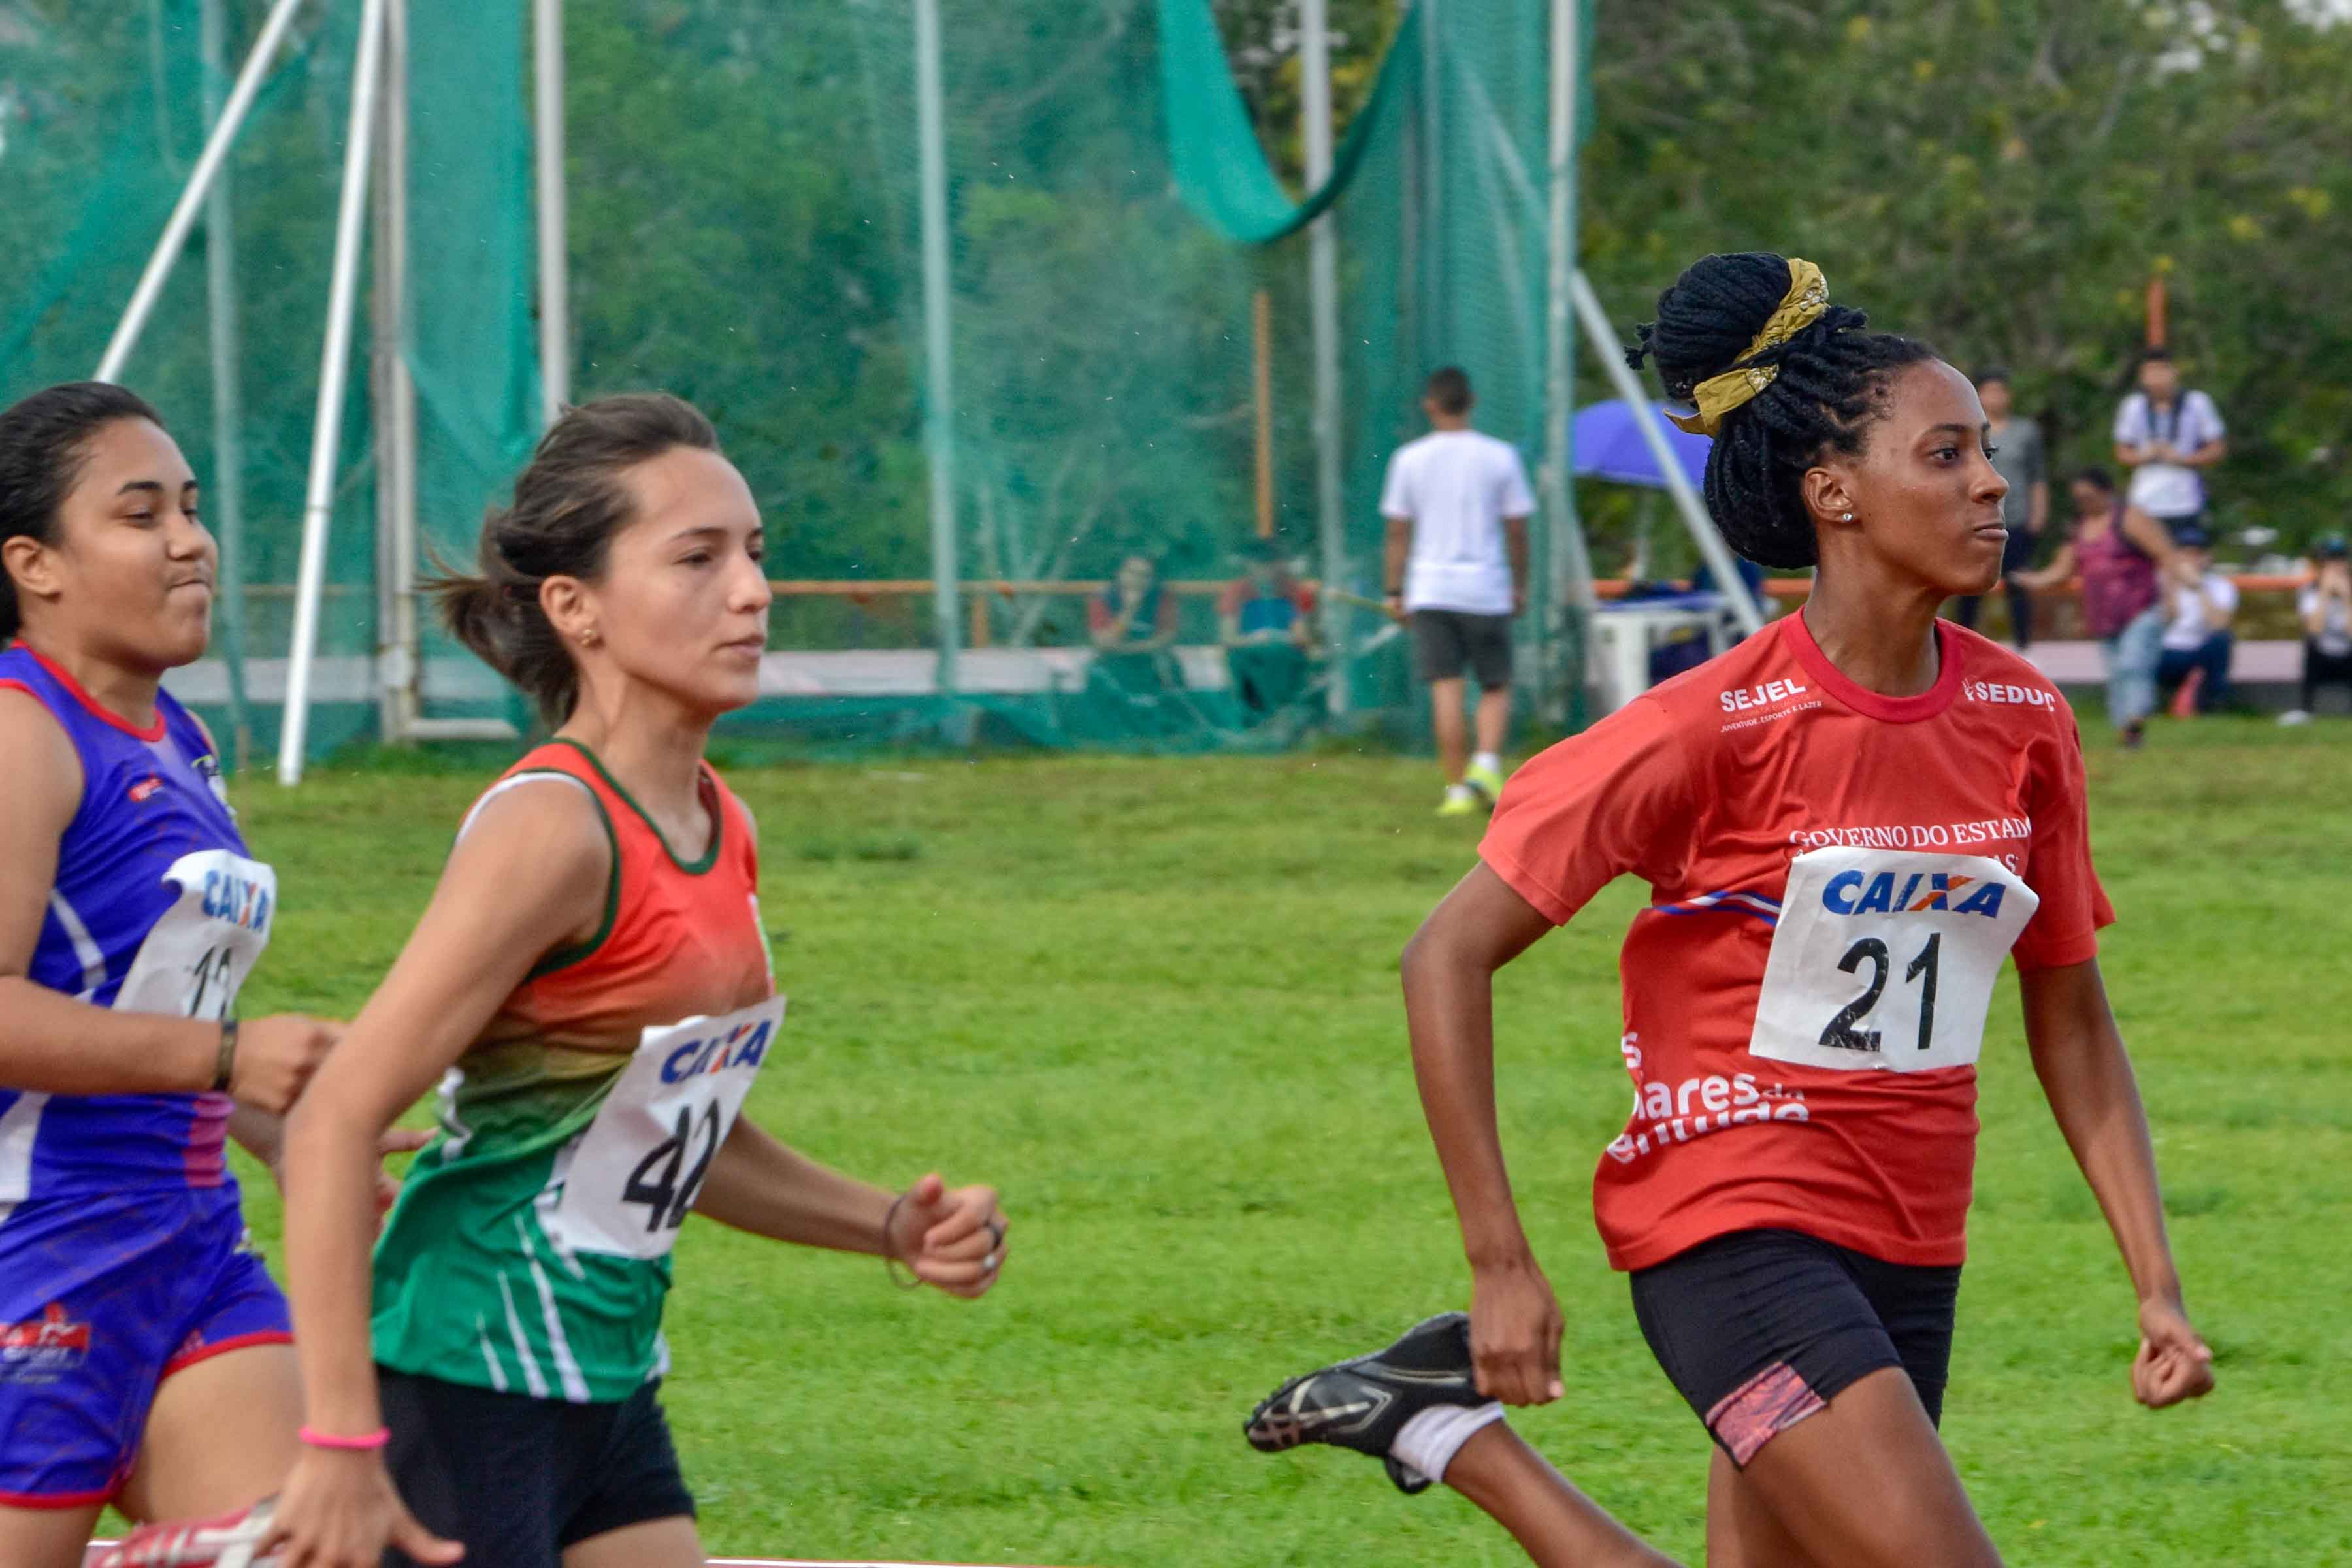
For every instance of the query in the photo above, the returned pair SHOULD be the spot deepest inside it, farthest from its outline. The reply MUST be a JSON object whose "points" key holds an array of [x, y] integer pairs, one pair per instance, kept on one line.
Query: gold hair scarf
{"points": [[1717, 396]]}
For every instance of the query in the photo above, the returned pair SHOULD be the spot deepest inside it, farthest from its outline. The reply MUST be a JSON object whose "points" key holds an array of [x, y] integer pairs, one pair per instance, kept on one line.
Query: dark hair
{"points": [[1993, 372], [1449, 389], [2097, 478], [1830, 390], [43, 448], [569, 502], [2156, 354]]}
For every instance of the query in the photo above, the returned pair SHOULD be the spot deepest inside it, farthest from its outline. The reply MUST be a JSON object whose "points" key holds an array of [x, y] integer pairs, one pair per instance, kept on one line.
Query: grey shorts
{"points": [[1446, 642]]}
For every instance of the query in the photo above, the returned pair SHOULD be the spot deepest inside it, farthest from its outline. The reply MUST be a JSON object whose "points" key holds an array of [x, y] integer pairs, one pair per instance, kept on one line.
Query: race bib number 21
{"points": [[1885, 959]]}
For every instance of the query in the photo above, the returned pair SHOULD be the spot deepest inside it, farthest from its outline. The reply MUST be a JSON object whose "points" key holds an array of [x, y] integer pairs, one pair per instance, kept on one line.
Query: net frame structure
{"points": [[405, 687]]}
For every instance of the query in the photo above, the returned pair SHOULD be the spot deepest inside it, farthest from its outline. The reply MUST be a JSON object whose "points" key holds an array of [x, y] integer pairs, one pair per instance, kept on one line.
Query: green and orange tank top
{"points": [[530, 1250]]}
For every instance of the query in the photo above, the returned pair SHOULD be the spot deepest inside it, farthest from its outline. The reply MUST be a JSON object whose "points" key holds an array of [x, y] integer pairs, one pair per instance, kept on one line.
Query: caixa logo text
{"points": [[1860, 893], [740, 1047]]}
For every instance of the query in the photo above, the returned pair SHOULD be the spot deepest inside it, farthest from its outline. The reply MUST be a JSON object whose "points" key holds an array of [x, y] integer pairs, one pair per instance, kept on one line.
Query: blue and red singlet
{"points": [[122, 1248]]}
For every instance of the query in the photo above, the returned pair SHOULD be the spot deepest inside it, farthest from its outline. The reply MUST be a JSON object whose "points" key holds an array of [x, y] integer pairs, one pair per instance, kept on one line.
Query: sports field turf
{"points": [[1156, 1002]]}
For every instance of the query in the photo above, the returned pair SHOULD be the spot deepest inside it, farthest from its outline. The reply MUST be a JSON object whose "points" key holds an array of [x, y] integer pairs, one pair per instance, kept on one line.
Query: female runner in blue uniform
{"points": [[145, 1352]]}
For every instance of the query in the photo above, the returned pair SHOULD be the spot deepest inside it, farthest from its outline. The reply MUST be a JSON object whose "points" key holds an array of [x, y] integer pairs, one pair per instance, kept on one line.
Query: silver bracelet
{"points": [[891, 1261]]}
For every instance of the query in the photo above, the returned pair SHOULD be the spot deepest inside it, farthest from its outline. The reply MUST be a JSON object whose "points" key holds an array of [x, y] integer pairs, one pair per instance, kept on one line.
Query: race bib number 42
{"points": [[1885, 959], [635, 1173]]}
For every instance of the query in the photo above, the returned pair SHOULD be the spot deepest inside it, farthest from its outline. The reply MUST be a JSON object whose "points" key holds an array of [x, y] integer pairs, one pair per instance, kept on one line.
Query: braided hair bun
{"points": [[1829, 388]]}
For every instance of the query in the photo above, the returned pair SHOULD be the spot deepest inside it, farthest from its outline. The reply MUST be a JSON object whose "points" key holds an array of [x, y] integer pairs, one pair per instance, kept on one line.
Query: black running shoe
{"points": [[1362, 1403]]}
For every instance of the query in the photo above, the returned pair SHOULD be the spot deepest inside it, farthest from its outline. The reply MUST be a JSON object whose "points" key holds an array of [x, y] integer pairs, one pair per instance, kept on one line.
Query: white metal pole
{"points": [[1718, 554], [1323, 295], [1572, 567], [334, 368], [939, 422], [397, 653], [554, 276], [227, 485], [200, 182], [1436, 316]]}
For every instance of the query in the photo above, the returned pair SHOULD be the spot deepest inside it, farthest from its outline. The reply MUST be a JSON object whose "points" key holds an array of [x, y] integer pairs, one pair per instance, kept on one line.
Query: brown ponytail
{"points": [[568, 504]]}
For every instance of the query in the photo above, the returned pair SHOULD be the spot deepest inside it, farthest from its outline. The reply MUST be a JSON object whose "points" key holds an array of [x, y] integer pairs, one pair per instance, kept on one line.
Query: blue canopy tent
{"points": [[1609, 445]]}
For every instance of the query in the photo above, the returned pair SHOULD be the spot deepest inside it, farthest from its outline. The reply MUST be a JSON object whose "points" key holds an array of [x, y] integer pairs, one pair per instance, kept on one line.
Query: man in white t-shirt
{"points": [[2198, 642], [1457, 505], [2167, 438]]}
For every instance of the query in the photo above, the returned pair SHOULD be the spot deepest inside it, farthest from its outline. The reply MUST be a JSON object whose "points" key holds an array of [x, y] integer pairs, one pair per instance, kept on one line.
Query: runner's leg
{"points": [[220, 1435], [46, 1537], [1741, 1532], [657, 1543], [1865, 1483], [1558, 1526]]}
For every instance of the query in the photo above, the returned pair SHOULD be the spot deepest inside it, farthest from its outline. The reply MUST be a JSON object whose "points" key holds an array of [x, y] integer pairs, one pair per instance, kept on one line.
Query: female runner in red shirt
{"points": [[1848, 822]]}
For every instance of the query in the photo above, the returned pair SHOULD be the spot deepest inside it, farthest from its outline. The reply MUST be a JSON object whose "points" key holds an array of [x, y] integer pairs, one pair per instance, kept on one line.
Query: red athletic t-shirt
{"points": [[1836, 876]]}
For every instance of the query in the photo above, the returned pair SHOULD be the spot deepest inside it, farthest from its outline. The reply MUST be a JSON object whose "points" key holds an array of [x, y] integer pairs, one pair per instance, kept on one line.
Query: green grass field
{"points": [[1156, 1002]]}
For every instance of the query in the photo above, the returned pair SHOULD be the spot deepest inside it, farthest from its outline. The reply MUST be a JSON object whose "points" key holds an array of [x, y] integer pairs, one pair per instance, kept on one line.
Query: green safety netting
{"points": [[745, 230], [1213, 148]]}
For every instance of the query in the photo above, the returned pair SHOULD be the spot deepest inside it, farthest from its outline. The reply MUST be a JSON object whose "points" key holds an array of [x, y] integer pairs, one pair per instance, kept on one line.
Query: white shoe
{"points": [[231, 1540], [2295, 716]]}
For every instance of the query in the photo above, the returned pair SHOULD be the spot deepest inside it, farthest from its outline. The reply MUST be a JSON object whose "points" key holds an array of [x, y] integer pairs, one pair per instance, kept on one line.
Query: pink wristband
{"points": [[373, 1440]]}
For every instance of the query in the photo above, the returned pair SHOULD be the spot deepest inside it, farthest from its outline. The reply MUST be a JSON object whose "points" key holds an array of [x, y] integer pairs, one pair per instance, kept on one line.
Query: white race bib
{"points": [[197, 956], [1886, 958], [631, 1178]]}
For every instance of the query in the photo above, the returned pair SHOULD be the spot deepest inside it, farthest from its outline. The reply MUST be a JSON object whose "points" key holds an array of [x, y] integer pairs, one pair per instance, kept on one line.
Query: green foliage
{"points": [[728, 244], [2003, 177], [1157, 1004]]}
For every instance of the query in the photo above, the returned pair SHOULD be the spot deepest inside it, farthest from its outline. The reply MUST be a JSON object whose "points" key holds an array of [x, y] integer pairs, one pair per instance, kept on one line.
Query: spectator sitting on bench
{"points": [[1266, 622], [2325, 606], [2197, 641], [1132, 624]]}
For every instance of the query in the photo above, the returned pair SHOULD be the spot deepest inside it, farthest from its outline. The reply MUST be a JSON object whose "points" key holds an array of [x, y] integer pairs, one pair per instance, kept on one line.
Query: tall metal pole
{"points": [[1323, 298], [200, 185], [334, 369], [1711, 547], [1572, 567], [1436, 319], [1262, 404], [397, 653], [554, 276], [228, 486], [939, 413]]}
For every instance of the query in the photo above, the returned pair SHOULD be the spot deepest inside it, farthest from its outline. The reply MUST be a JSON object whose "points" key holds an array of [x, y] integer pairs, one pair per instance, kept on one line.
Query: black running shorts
{"points": [[1759, 1328], [518, 1479], [1446, 642]]}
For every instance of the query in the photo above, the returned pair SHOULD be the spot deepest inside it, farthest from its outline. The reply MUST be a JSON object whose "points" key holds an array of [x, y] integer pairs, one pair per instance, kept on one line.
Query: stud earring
{"points": [[588, 637], [1845, 517]]}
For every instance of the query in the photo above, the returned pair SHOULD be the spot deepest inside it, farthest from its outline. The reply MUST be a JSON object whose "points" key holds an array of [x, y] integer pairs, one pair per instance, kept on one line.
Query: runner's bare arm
{"points": [[2078, 1053], [50, 1043], [529, 876], [758, 1184], [1449, 968]]}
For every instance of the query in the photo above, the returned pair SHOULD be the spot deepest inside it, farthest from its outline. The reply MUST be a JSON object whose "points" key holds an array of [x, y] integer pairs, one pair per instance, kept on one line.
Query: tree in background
{"points": [[2003, 179]]}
